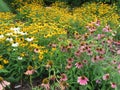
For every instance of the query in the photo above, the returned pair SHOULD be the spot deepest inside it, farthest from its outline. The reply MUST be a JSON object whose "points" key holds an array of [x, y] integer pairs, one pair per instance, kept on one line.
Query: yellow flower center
{"points": [[1, 79], [45, 81]]}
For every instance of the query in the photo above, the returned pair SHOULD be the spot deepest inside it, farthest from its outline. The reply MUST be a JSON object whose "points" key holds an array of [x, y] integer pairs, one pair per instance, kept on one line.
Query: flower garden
{"points": [[60, 48]]}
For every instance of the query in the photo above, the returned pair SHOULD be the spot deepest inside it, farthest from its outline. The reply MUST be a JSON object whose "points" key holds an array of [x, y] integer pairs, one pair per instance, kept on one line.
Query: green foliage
{"points": [[4, 7], [117, 34]]}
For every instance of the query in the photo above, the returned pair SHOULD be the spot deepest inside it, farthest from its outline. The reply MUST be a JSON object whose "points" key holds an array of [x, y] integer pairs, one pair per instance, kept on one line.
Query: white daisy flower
{"points": [[9, 34], [23, 33], [15, 44], [9, 39], [16, 30], [29, 39], [20, 58], [1, 36]]}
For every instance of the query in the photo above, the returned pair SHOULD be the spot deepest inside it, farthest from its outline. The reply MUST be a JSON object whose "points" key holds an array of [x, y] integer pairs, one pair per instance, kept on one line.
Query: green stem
{"points": [[31, 81]]}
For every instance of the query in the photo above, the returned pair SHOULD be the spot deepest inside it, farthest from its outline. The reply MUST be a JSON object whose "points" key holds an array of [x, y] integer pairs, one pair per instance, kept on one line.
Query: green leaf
{"points": [[3, 71], [89, 87], [3, 6]]}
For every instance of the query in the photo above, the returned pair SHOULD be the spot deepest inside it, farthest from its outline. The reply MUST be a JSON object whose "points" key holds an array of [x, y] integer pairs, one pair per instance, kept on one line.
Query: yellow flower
{"points": [[45, 51], [53, 49], [33, 45], [22, 54], [5, 61], [1, 66], [40, 57], [41, 52], [1, 58]]}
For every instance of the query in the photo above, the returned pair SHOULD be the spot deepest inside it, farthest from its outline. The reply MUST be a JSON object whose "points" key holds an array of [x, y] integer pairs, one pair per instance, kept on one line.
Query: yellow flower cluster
{"points": [[6, 16], [90, 12]]}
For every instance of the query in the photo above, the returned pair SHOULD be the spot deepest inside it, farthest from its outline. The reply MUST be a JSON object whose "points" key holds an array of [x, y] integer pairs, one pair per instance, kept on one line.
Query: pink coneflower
{"points": [[99, 36], [82, 49], [87, 27], [82, 80], [89, 52], [79, 65], [3, 83], [114, 62], [49, 64], [36, 50], [69, 65], [53, 77], [95, 59], [106, 76], [98, 81], [118, 51], [119, 71], [64, 48], [87, 48], [97, 23], [83, 43], [54, 45], [70, 60], [100, 57], [109, 41], [70, 45], [29, 71], [76, 35], [85, 36], [100, 50], [45, 84], [113, 85], [77, 53], [107, 29], [118, 66], [116, 43], [63, 77], [91, 28], [64, 85], [85, 61]]}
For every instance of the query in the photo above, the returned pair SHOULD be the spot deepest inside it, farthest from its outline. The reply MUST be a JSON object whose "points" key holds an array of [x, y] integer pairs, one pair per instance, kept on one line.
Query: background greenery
{"points": [[13, 4], [4, 6]]}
